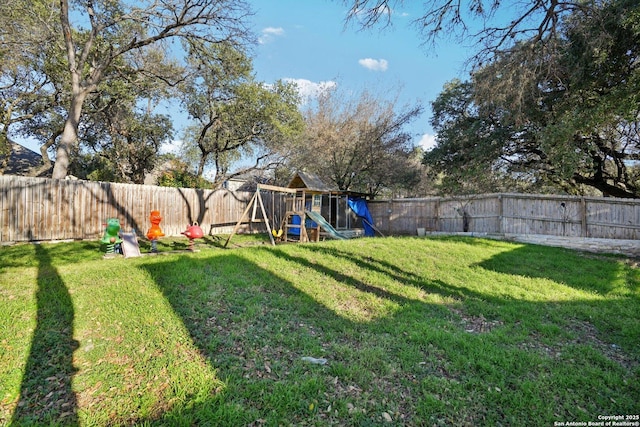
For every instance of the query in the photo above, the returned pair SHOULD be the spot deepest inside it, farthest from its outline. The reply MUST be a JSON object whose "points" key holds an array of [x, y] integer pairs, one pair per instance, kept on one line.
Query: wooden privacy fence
{"points": [[521, 214], [47, 209]]}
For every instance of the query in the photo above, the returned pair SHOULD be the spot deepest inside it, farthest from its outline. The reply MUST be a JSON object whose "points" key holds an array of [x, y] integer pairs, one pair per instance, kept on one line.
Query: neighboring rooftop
{"points": [[22, 159]]}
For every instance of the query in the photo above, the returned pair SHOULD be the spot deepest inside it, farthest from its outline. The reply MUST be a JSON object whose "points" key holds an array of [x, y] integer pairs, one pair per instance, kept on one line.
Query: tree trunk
{"points": [[69, 137], [5, 150], [202, 162]]}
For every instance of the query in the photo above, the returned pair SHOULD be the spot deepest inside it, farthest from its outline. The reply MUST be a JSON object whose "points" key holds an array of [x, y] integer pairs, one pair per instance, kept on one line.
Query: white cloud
{"points": [[171, 147], [309, 90], [427, 142], [364, 13], [270, 33], [383, 10], [374, 64]]}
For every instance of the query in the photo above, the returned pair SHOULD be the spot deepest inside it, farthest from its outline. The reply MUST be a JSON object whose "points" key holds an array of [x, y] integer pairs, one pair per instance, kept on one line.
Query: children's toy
{"points": [[155, 232], [111, 237], [193, 232], [129, 245]]}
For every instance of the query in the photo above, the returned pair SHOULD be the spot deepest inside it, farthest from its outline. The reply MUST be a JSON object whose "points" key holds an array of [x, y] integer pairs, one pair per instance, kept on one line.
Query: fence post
{"points": [[389, 211], [583, 217], [500, 217]]}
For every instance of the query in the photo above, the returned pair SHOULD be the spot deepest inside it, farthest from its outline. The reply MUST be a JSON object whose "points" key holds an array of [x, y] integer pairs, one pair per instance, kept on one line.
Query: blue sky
{"points": [[307, 42]]}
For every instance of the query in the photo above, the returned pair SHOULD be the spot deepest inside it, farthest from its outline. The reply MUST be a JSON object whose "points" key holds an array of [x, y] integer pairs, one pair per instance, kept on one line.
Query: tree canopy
{"points": [[234, 117], [91, 45], [92, 76], [551, 103], [358, 143], [567, 121], [475, 20]]}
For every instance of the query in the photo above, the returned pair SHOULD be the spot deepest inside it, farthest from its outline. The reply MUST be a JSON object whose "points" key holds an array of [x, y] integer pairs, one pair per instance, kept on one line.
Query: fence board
{"points": [[46, 209], [521, 214]]}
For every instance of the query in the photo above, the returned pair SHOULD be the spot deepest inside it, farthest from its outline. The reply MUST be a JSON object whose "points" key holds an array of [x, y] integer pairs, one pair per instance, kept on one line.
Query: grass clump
{"points": [[415, 331]]}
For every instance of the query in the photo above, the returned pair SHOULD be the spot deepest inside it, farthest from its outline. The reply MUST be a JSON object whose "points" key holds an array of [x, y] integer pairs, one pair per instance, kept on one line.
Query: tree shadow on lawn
{"points": [[253, 324], [561, 266], [46, 393], [54, 254], [568, 267], [383, 267], [608, 312]]}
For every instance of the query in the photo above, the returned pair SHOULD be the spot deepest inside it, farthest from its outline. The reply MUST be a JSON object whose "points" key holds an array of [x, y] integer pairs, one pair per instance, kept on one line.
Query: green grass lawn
{"points": [[414, 331]]}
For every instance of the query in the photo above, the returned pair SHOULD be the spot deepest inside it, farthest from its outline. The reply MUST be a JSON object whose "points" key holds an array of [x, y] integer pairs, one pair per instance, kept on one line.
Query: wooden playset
{"points": [[311, 211]]}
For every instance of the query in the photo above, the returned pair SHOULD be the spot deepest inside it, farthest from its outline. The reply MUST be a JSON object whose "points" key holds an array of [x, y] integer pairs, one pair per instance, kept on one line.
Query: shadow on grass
{"points": [[56, 254], [243, 316], [566, 267], [46, 394], [176, 243], [254, 324], [385, 268]]}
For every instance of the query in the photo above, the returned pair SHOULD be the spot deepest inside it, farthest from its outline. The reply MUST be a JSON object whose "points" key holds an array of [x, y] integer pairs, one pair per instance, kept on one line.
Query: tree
{"points": [[23, 95], [126, 149], [568, 129], [358, 143], [234, 116], [25, 91], [536, 20], [479, 149], [120, 133], [469, 147], [179, 174], [97, 36], [536, 23], [595, 115]]}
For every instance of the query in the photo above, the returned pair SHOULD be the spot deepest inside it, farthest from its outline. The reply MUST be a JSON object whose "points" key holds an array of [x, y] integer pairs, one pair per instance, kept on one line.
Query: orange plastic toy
{"points": [[155, 232]]}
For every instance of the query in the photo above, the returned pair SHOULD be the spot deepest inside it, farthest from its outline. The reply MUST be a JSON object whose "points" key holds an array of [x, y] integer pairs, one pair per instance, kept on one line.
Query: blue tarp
{"points": [[359, 206]]}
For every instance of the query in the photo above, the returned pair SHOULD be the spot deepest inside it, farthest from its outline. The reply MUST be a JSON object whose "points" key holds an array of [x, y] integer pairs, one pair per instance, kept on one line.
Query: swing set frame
{"points": [[294, 206]]}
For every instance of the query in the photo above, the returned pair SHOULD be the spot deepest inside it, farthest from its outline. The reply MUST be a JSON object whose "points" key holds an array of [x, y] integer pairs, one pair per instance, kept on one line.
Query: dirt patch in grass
{"points": [[585, 334], [476, 324]]}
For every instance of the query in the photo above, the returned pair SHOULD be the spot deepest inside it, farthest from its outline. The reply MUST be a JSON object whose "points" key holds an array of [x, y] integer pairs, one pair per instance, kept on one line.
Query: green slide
{"points": [[319, 219]]}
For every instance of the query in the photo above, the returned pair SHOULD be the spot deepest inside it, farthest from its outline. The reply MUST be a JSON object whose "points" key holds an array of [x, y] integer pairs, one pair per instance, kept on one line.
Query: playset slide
{"points": [[319, 219], [129, 244]]}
